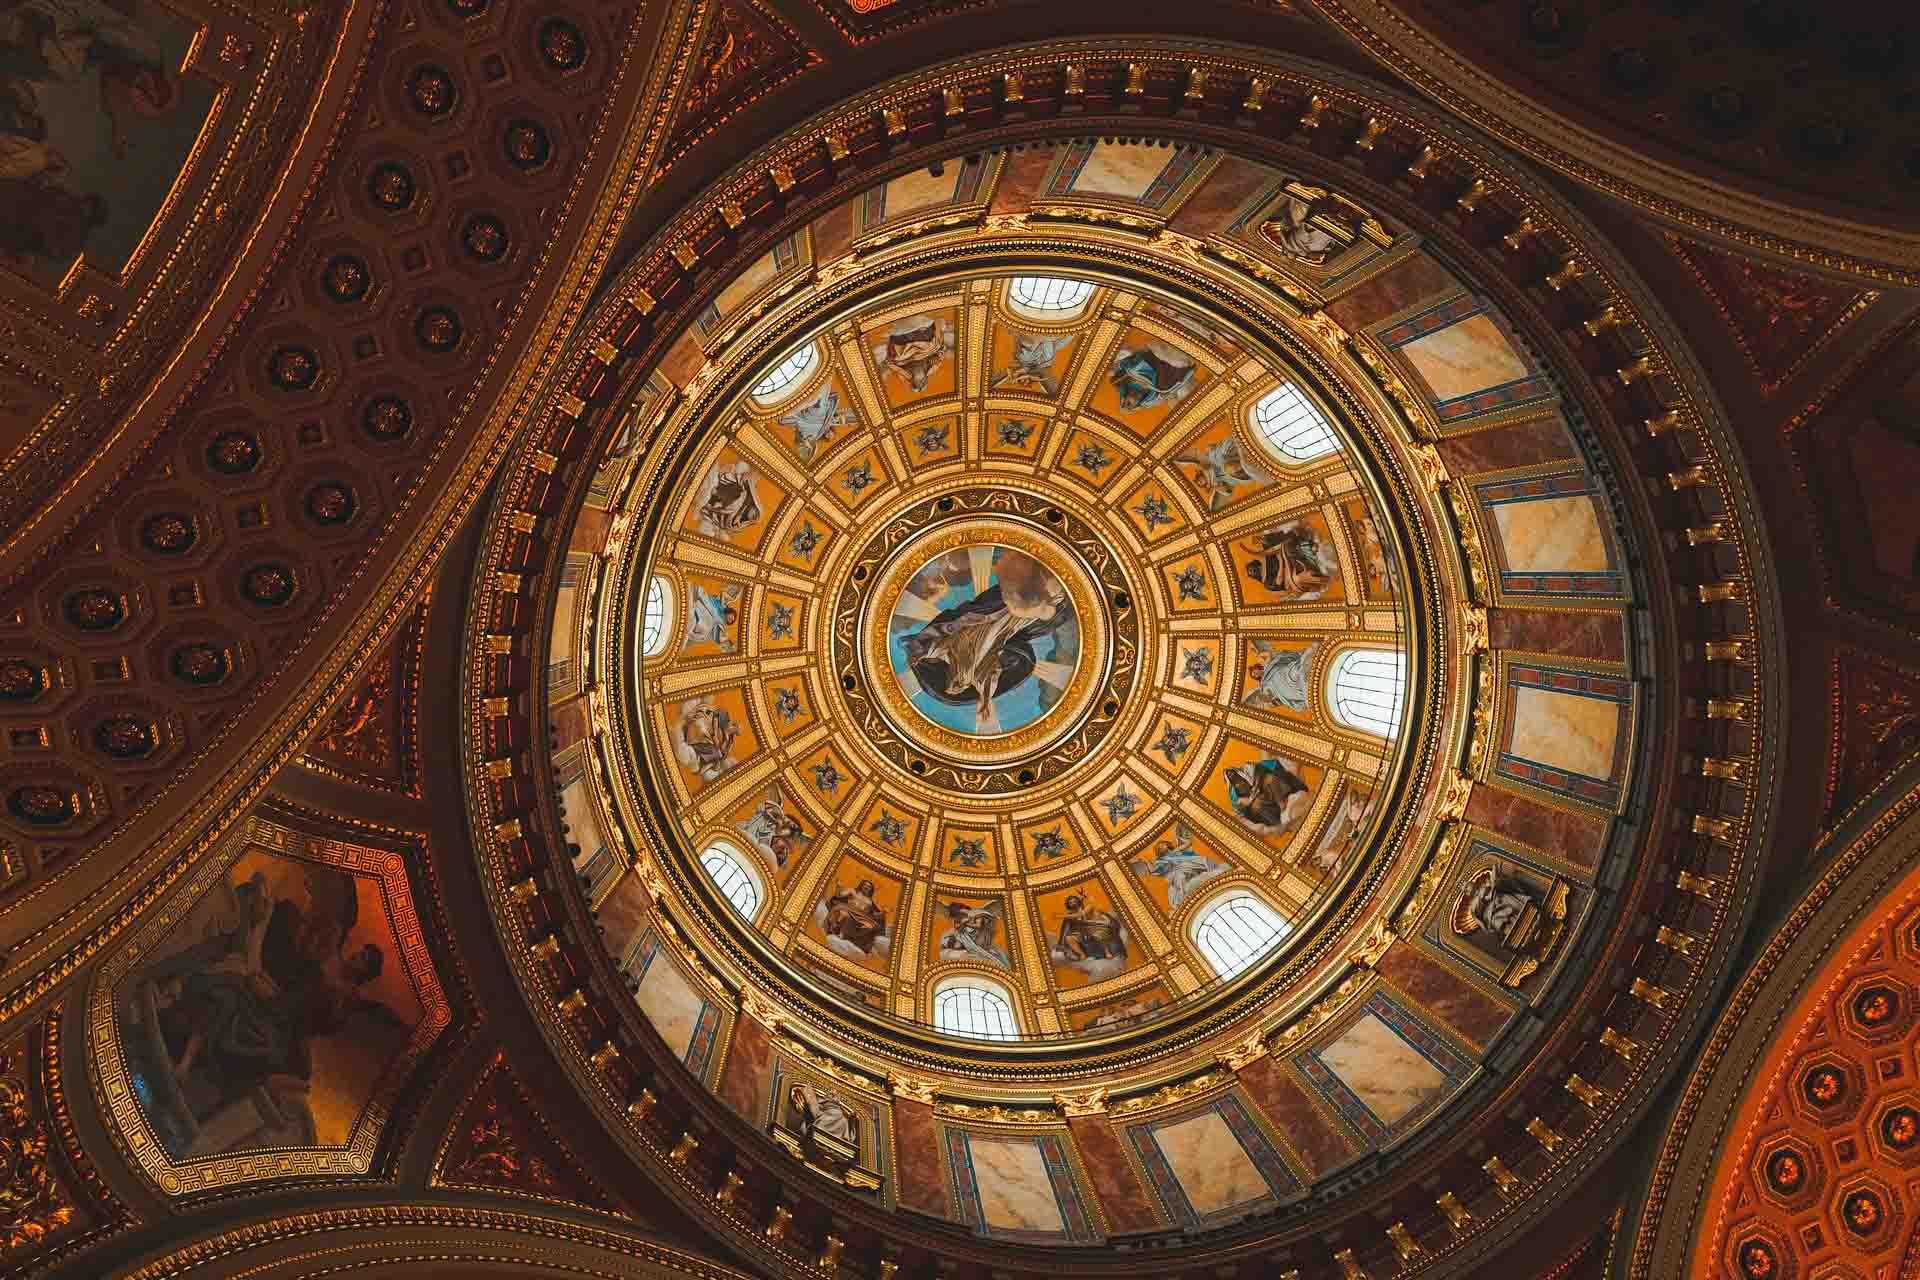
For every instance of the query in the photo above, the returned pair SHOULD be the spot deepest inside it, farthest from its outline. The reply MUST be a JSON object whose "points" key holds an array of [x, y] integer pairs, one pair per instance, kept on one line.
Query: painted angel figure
{"points": [[973, 932], [772, 830], [914, 348], [1183, 867], [727, 502], [815, 421], [1279, 676], [1032, 367], [1343, 832], [1151, 374], [1221, 468], [710, 617]]}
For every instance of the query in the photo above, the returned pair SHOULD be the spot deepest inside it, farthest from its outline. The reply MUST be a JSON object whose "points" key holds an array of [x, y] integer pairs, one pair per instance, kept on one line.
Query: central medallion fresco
{"points": [[984, 639], [995, 653]]}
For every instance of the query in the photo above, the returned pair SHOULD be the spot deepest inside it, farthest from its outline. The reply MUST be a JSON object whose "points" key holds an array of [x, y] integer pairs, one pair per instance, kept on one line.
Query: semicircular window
{"points": [[973, 1009], [780, 379], [1367, 690], [729, 873], [1236, 930], [653, 617], [1293, 426], [1056, 297]]}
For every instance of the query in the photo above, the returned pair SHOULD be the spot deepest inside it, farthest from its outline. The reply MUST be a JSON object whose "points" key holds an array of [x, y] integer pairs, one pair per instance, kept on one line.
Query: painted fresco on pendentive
{"points": [[278, 1006], [96, 123]]}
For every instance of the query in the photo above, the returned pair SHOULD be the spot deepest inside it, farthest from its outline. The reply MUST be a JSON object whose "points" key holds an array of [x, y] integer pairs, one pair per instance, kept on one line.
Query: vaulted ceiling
{"points": [[367, 365]]}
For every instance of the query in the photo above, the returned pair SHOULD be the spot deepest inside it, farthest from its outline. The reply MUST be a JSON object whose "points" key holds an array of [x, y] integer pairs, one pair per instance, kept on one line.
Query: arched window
{"points": [[653, 619], [727, 868], [975, 1009], [1367, 690], [1236, 930], [798, 364], [1292, 425], [1055, 297]]}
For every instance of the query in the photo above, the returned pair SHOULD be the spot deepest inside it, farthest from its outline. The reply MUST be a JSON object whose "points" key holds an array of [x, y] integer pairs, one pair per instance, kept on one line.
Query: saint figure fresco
{"points": [[1291, 560], [1032, 367], [1179, 865], [704, 738], [913, 348], [854, 921], [1221, 469], [815, 421], [772, 830], [95, 123], [1279, 676], [1151, 374], [1268, 795], [1090, 939], [271, 1006], [984, 639], [972, 933], [727, 503]]}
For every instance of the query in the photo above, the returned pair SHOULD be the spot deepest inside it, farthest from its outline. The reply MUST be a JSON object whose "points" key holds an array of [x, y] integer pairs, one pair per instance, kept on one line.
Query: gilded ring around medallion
{"points": [[990, 650]]}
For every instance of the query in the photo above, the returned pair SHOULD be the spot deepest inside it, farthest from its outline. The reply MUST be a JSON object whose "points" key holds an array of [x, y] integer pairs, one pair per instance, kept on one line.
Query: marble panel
{"points": [[1321, 1146], [919, 190], [1567, 731], [1212, 1167], [1449, 998], [1497, 449], [1127, 1205], [671, 1003], [1015, 1190], [1124, 169], [1224, 193], [1467, 356], [1549, 535], [1575, 635], [917, 1183], [743, 1081], [1408, 283], [1571, 837], [1021, 179], [1390, 1077]]}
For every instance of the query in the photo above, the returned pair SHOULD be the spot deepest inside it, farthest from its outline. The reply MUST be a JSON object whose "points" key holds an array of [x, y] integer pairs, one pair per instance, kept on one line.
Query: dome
{"points": [[1085, 651], [1008, 638]]}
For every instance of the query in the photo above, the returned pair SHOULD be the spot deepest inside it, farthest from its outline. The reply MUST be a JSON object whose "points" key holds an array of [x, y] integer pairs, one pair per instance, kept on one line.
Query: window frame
{"points": [[986, 987], [656, 629], [1385, 727], [1050, 312], [795, 375], [1224, 900], [738, 860], [1303, 418]]}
